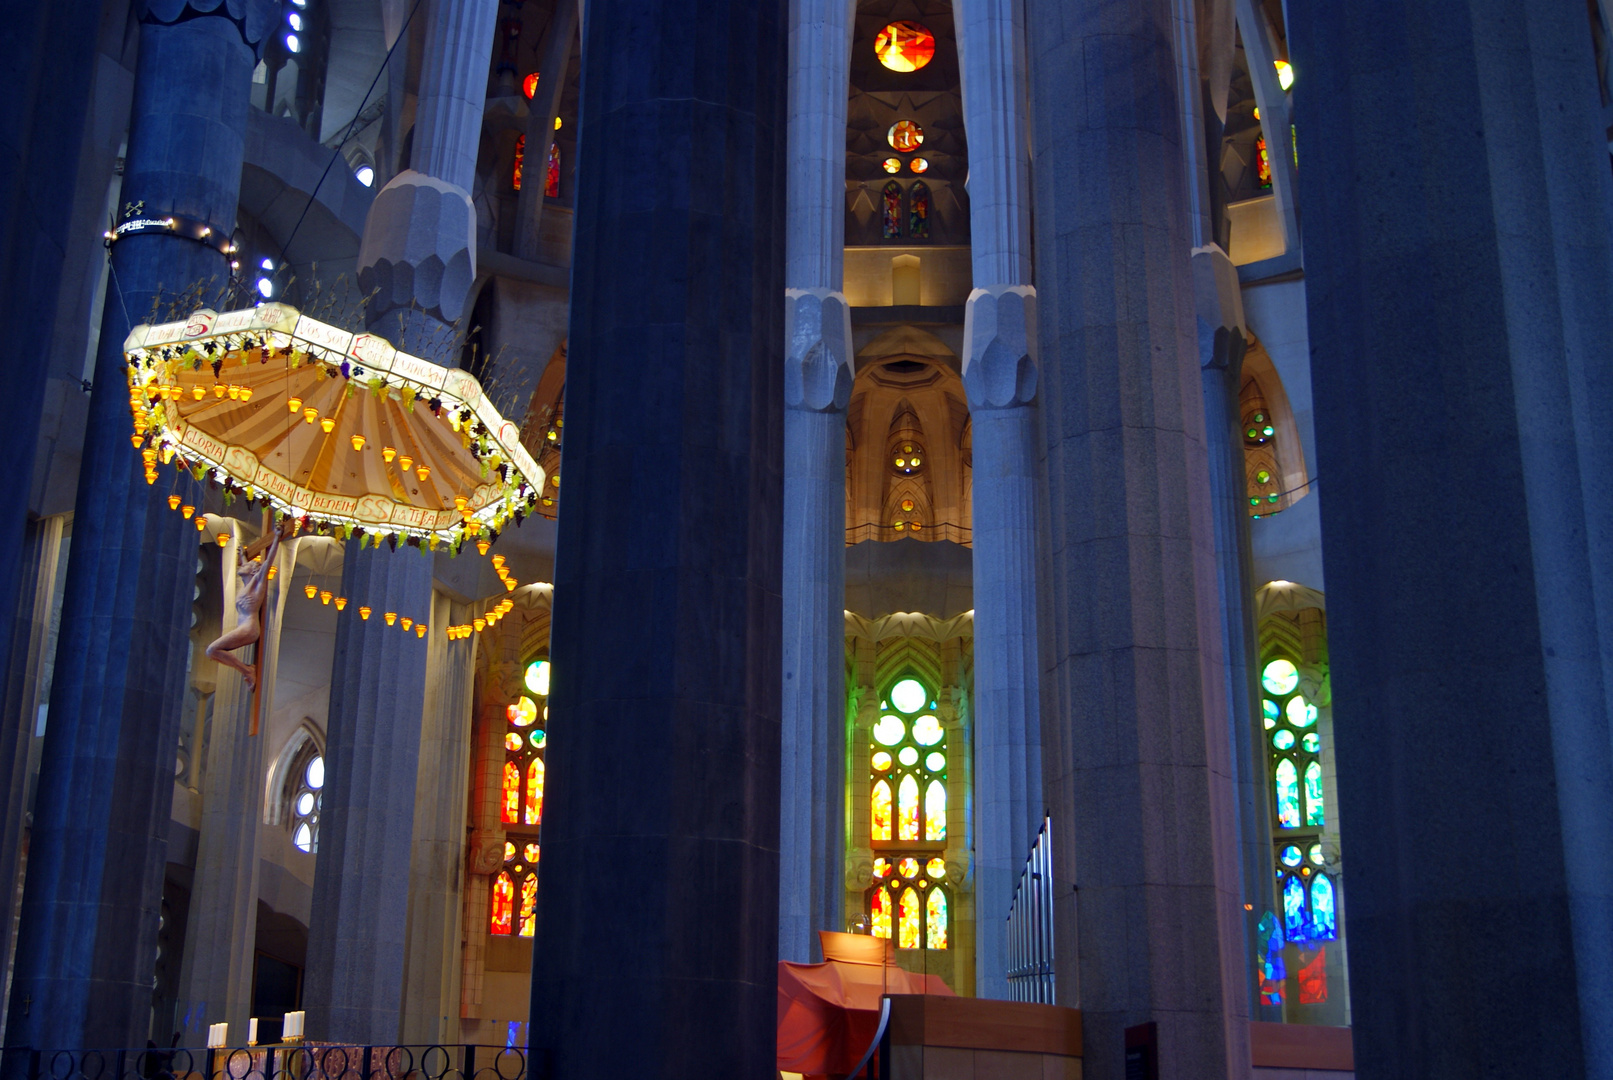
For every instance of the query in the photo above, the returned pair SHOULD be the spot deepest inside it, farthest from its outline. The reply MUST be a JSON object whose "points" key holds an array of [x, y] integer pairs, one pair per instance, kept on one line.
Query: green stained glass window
{"points": [[1301, 713], [1314, 814], [537, 677], [1312, 742], [1315, 854], [1270, 713], [1280, 677], [1282, 739], [908, 696], [1287, 794]]}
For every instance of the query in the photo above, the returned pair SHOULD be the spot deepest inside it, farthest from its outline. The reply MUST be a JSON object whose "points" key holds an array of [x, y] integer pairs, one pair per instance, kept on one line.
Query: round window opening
{"points": [[904, 46]]}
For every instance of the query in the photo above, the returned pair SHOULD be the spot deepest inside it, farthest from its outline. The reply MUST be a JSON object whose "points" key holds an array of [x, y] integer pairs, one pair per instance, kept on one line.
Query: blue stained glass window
{"points": [[1291, 856], [1324, 920], [1294, 920], [1314, 814], [1270, 713], [1288, 794]]}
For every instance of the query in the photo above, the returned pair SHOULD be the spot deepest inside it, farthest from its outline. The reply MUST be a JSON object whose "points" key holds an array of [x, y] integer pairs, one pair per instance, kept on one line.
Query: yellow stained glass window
{"points": [[537, 677], [935, 920], [534, 792], [512, 741], [882, 761], [523, 712], [892, 165], [882, 810], [935, 811], [881, 868], [904, 46], [905, 135], [532, 853], [908, 868], [503, 903], [907, 918], [509, 851], [907, 808], [529, 903], [512, 793], [936, 868], [908, 695], [881, 913]]}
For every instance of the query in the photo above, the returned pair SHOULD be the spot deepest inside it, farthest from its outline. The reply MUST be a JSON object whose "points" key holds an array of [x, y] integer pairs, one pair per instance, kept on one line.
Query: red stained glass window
{"points": [[529, 85], [551, 180], [918, 214], [503, 903], [520, 160], [534, 792], [512, 793], [1313, 980], [904, 46], [892, 199]]}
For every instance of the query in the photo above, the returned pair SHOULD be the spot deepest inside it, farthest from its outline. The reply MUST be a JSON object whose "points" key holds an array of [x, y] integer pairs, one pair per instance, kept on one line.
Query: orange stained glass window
{"points": [[905, 136], [882, 810], [520, 160], [904, 46], [529, 85], [881, 912], [907, 808], [551, 179], [512, 741], [935, 811], [935, 920], [529, 904], [534, 792], [512, 793], [907, 920], [532, 853], [503, 903]]}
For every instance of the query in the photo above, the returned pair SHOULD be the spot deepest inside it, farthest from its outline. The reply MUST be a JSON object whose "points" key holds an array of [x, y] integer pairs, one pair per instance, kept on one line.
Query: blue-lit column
{"points": [[88, 938]]}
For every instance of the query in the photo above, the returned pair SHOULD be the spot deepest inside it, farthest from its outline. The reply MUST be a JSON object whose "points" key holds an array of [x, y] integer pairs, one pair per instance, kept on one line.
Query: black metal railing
{"points": [[300, 1061], [1030, 926]]}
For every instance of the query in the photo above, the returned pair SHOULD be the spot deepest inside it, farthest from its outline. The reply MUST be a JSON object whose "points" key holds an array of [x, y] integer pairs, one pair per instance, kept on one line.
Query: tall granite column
{"points": [[88, 936], [658, 903], [419, 254], [1466, 295], [1000, 379], [1147, 899], [215, 982], [817, 385], [436, 880]]}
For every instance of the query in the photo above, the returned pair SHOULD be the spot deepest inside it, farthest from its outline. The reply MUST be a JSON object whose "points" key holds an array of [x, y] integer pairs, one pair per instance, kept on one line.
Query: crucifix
{"points": [[253, 572]]}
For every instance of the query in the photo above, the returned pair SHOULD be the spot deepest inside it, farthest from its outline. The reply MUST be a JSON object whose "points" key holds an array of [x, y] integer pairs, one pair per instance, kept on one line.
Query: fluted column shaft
{"points": [[1000, 378], [98, 848], [453, 88], [1147, 903], [818, 376]]}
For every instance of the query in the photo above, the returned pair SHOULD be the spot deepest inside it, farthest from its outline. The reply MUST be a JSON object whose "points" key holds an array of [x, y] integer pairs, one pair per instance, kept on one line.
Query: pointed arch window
{"points": [[1289, 720], [526, 740], [891, 201], [918, 211], [910, 898]]}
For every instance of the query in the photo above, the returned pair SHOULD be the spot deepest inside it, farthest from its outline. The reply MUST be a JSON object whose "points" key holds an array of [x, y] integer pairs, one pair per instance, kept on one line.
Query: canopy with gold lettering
{"points": [[335, 428]]}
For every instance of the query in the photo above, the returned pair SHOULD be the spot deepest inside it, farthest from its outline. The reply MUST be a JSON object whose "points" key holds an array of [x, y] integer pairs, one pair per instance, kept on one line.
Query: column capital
{"points": [[1218, 309], [999, 347], [419, 247], [818, 350], [255, 19]]}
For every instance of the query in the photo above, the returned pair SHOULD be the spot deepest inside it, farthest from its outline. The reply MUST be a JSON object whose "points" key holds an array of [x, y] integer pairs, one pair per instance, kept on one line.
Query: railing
{"points": [[944, 530], [302, 1061], [1030, 926]]}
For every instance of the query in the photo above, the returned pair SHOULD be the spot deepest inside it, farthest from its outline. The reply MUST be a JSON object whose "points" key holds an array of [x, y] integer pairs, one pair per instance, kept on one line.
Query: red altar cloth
{"points": [[828, 1012]]}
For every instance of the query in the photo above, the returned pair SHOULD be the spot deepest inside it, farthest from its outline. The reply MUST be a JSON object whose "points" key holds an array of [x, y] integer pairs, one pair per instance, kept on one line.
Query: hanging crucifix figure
{"points": [[249, 598]]}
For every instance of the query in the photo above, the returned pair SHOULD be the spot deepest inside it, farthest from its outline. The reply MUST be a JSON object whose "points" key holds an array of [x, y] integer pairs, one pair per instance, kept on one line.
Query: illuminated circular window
{"points": [[512, 741], [1271, 713], [1280, 677], [892, 165], [889, 731], [1312, 742], [881, 868], [1283, 739], [1301, 713], [529, 85], [908, 867], [537, 677], [539, 738], [523, 712], [305, 807], [882, 761], [927, 731], [904, 46], [905, 136], [907, 506], [908, 756], [936, 761], [907, 696], [918, 164], [1258, 430], [1316, 855], [936, 868], [1291, 855], [908, 459]]}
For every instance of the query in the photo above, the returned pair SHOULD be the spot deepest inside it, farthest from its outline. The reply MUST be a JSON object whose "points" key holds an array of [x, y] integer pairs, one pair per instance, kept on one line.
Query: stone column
{"points": [[419, 251], [1000, 379], [1471, 629], [664, 722], [98, 849], [1218, 302], [1146, 893], [432, 964], [221, 934], [554, 59], [819, 356]]}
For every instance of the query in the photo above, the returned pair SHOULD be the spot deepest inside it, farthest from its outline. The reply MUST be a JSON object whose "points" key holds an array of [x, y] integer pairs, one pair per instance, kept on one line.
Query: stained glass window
{"points": [[891, 198], [1294, 909], [892, 165], [1287, 794], [529, 903], [1272, 970], [512, 793], [908, 804], [1324, 919], [1314, 814], [534, 792], [918, 214], [308, 783], [904, 46], [905, 136], [551, 179], [520, 161], [1262, 163], [1280, 677], [537, 678], [503, 902], [918, 165]]}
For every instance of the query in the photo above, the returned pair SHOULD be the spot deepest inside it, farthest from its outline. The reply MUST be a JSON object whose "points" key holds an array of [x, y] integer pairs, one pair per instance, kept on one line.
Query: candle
{"points": [[252, 1031]]}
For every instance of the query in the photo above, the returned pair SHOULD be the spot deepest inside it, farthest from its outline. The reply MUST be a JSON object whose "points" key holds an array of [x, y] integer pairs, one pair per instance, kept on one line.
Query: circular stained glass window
{"points": [[1312, 742], [1316, 855], [523, 712], [531, 853], [936, 868], [537, 677], [1301, 713], [1282, 739], [305, 803], [1290, 855], [936, 761], [908, 756], [918, 164], [904, 46], [539, 737], [908, 696], [927, 731], [1270, 713], [512, 741], [881, 868], [509, 851], [1280, 677], [882, 761], [316, 773], [905, 136], [908, 867], [889, 731], [892, 165]]}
